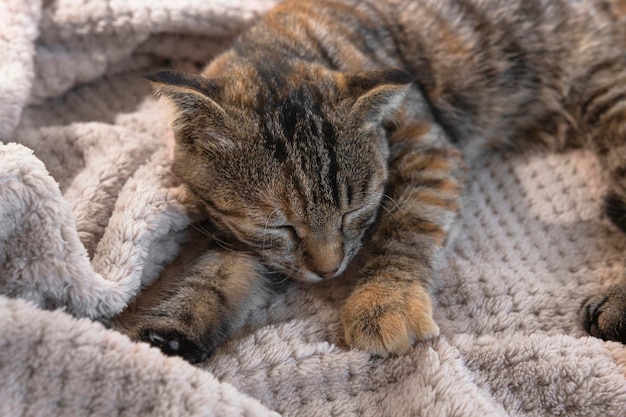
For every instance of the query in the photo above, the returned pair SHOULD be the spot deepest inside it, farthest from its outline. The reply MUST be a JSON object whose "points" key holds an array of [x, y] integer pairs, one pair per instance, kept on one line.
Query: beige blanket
{"points": [[90, 216]]}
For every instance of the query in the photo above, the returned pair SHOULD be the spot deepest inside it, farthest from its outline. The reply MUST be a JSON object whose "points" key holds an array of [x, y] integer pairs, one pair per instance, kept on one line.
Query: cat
{"points": [[337, 128]]}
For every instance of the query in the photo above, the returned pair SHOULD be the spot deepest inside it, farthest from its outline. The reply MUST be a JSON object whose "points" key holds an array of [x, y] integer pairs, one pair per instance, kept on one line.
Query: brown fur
{"points": [[308, 142], [385, 319]]}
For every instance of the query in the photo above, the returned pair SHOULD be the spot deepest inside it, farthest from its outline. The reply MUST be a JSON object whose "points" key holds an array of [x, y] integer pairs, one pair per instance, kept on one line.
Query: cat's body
{"points": [[308, 143]]}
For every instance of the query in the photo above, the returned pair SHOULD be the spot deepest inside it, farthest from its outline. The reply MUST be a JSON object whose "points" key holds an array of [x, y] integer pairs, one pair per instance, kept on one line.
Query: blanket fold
{"points": [[92, 223], [52, 364]]}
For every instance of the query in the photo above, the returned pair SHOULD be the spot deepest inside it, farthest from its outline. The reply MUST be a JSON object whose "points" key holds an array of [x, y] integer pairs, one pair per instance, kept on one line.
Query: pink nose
{"points": [[328, 274]]}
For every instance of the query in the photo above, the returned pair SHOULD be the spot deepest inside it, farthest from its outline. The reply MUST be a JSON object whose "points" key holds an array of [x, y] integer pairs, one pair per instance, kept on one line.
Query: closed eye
{"points": [[289, 229]]}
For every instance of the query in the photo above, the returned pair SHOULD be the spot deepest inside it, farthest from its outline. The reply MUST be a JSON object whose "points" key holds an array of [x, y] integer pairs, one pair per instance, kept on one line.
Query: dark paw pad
{"points": [[172, 343], [604, 315]]}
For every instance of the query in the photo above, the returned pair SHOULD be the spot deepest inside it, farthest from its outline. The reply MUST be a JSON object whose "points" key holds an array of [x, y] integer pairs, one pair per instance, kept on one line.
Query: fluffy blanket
{"points": [[90, 216]]}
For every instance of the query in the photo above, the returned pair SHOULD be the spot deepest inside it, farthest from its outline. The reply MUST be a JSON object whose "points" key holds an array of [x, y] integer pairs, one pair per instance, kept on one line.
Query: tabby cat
{"points": [[337, 127]]}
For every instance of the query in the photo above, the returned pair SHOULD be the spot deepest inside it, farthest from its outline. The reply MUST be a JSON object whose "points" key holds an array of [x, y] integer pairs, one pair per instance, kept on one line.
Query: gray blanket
{"points": [[90, 216]]}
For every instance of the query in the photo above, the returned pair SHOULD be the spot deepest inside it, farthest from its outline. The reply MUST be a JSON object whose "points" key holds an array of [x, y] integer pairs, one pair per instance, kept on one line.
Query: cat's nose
{"points": [[323, 255]]}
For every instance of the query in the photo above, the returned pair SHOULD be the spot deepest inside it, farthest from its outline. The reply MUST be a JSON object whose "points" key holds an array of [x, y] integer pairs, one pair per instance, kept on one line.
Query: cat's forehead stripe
{"points": [[302, 139]]}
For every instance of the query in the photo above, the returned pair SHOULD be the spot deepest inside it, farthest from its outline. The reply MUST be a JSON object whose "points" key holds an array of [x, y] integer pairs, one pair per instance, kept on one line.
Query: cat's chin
{"points": [[306, 275], [302, 273]]}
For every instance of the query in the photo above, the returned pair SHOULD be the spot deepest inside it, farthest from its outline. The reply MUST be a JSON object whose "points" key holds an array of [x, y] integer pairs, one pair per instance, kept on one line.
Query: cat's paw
{"points": [[386, 320], [173, 343], [177, 329], [604, 314]]}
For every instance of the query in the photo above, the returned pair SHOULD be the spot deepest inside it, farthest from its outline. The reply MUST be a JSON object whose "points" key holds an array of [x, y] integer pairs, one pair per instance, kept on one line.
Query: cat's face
{"points": [[296, 173]]}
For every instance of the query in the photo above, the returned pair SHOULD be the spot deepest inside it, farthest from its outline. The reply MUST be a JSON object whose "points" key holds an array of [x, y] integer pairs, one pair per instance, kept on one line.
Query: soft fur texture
{"points": [[533, 246], [337, 130]]}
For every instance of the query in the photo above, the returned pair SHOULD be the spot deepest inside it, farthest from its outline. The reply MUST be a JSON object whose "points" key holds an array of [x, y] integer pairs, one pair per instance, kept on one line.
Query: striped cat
{"points": [[333, 128]]}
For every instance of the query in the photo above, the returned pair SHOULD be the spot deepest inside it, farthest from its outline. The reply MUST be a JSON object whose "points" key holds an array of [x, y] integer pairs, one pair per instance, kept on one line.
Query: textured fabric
{"points": [[90, 215]]}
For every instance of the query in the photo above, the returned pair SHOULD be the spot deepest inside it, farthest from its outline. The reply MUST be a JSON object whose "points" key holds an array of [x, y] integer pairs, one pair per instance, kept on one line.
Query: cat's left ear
{"points": [[195, 99], [378, 94]]}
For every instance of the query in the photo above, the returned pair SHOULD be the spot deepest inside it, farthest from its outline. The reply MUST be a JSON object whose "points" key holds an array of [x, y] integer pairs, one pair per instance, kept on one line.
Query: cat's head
{"points": [[292, 163]]}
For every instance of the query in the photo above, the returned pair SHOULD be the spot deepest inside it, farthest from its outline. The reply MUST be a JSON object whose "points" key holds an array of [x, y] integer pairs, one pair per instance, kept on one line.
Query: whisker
{"points": [[209, 234], [385, 208], [395, 203], [395, 206], [286, 277], [282, 281], [220, 242], [203, 231], [285, 269]]}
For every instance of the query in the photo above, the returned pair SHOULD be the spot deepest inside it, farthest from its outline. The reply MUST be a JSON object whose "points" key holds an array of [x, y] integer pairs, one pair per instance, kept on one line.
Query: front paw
{"points": [[180, 328], [174, 343], [604, 314], [386, 320]]}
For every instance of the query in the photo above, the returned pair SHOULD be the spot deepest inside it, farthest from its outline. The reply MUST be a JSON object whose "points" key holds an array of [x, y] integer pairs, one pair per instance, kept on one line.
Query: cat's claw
{"points": [[173, 343], [389, 336]]}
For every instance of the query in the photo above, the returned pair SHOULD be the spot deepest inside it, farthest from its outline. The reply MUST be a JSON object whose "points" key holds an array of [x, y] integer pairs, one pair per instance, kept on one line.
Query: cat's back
{"points": [[488, 67], [441, 40]]}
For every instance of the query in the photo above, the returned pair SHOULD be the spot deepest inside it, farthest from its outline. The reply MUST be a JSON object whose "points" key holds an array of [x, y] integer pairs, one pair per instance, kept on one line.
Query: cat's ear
{"points": [[378, 94], [194, 99]]}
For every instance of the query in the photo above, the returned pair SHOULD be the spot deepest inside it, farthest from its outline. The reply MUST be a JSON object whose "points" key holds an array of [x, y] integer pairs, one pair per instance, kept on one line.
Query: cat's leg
{"points": [[603, 112], [603, 314], [208, 303], [391, 305]]}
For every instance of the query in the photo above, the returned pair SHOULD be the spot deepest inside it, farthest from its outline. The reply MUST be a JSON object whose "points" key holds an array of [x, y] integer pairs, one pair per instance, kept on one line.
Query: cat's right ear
{"points": [[193, 97], [377, 94]]}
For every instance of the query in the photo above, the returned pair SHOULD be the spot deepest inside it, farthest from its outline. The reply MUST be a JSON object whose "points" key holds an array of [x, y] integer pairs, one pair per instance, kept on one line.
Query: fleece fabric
{"points": [[91, 216]]}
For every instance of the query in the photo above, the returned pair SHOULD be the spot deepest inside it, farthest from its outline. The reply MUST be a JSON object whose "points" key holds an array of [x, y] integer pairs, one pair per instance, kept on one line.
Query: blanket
{"points": [[91, 219]]}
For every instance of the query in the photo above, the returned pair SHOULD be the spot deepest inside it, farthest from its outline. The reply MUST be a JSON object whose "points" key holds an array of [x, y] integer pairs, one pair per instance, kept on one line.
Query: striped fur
{"points": [[337, 127]]}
